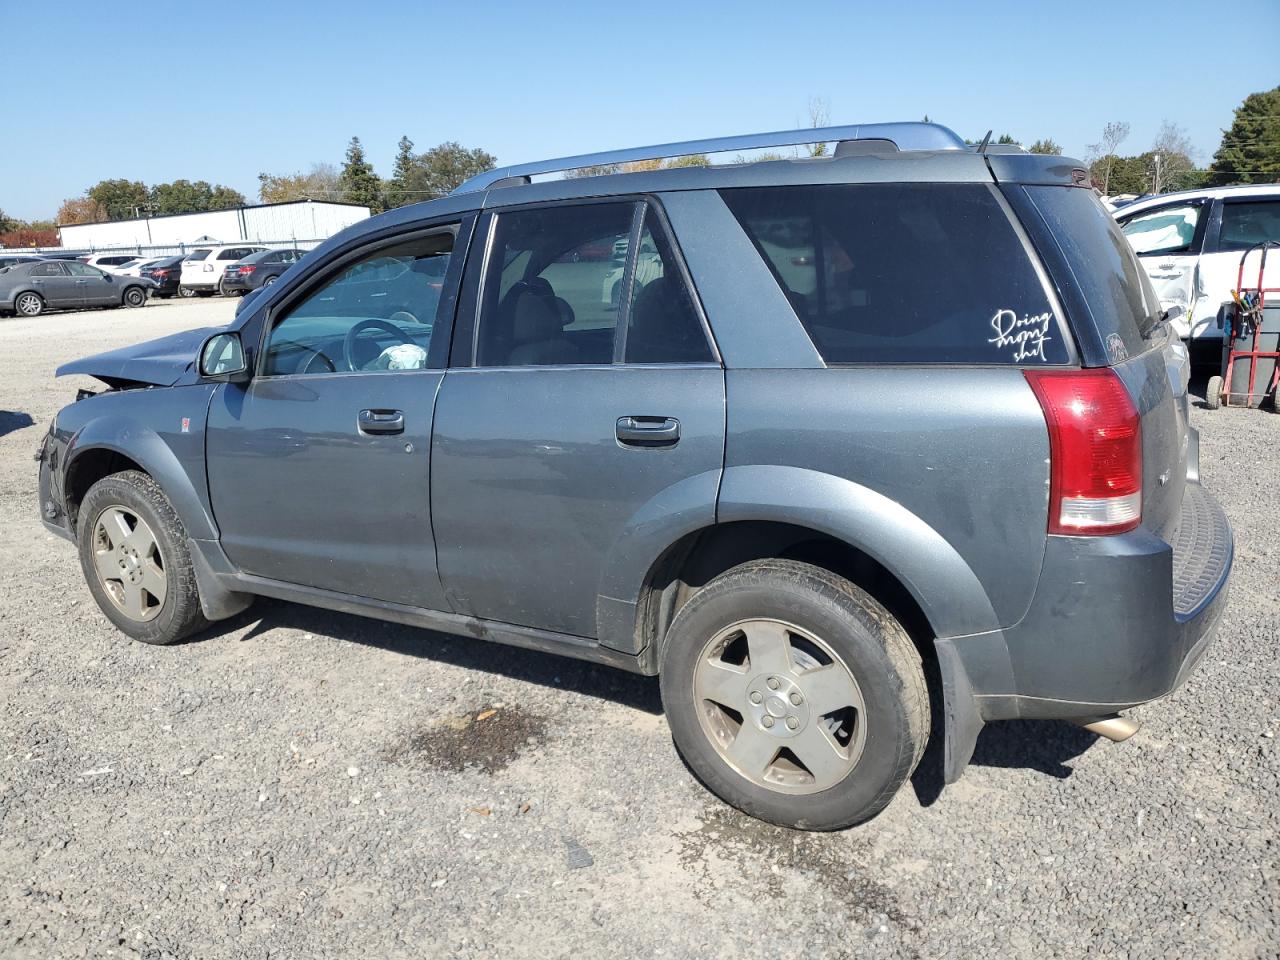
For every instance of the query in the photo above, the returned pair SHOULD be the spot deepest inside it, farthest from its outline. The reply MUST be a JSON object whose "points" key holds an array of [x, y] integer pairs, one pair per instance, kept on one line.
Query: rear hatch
{"points": [[1117, 321], [193, 264]]}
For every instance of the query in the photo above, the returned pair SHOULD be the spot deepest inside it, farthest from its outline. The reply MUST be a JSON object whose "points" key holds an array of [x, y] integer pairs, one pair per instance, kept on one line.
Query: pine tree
{"points": [[359, 183], [398, 186], [1250, 150]]}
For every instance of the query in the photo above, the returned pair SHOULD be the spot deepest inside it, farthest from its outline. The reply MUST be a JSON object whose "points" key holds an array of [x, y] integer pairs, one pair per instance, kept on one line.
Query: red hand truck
{"points": [[1248, 343]]}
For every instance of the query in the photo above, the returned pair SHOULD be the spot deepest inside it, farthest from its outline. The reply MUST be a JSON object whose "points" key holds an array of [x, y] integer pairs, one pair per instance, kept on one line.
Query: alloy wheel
{"points": [[128, 562], [29, 305], [780, 706]]}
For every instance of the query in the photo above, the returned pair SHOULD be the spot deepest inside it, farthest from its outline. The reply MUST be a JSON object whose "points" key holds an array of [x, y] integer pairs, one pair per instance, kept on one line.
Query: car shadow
{"points": [[517, 663], [1044, 746], [11, 420]]}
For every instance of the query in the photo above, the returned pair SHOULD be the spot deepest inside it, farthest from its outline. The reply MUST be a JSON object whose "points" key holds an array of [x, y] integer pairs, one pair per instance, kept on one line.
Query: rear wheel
{"points": [[1213, 393], [186, 292], [135, 297], [794, 695], [29, 304], [134, 555], [269, 281]]}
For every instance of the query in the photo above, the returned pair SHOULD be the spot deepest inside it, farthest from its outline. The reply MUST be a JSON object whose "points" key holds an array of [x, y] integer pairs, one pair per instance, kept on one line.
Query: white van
{"points": [[203, 267], [1191, 242]]}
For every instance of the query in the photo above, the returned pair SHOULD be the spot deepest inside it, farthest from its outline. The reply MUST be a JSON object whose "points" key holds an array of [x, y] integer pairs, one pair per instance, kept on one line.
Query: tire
{"points": [[147, 558], [222, 288], [1213, 393], [135, 297], [864, 751], [186, 292], [28, 304], [269, 281]]}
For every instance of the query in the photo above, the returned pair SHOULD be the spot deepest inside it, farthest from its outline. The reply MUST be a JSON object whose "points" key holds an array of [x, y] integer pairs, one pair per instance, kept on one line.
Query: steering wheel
{"points": [[374, 323]]}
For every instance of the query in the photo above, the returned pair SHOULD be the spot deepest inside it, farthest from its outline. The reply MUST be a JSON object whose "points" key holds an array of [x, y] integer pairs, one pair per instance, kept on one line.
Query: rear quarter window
{"points": [[903, 272], [1103, 265]]}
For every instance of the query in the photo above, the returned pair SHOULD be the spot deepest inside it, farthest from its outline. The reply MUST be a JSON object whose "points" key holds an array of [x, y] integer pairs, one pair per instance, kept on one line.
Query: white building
{"points": [[294, 223]]}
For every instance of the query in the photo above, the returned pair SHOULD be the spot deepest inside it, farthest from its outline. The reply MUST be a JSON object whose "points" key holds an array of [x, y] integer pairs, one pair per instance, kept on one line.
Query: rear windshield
{"points": [[1104, 266], [903, 272], [197, 255]]}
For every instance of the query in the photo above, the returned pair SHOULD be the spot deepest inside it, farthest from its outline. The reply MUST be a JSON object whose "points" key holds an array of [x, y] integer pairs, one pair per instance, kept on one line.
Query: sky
{"points": [[222, 92]]}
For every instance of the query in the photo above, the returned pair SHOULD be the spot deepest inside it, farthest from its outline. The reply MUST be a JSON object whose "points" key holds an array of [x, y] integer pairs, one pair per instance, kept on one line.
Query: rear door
{"points": [[56, 284], [568, 409], [1239, 224]]}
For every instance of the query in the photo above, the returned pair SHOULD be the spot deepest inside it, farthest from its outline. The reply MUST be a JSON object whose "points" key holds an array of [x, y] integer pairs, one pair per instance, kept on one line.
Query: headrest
{"points": [[535, 319]]}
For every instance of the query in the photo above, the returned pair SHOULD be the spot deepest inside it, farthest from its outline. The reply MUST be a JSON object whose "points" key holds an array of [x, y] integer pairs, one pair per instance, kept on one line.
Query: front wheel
{"points": [[135, 297], [29, 304], [134, 555], [794, 695]]}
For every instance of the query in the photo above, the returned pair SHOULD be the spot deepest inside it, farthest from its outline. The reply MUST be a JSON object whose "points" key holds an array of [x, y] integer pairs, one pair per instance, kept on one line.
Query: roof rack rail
{"points": [[905, 136]]}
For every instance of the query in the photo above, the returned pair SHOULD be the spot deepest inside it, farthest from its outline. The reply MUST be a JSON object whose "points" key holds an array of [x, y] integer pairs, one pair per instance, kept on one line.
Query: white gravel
{"points": [[304, 784]]}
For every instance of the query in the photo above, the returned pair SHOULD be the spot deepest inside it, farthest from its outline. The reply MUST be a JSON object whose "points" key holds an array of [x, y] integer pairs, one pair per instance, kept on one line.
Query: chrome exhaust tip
{"points": [[1114, 727]]}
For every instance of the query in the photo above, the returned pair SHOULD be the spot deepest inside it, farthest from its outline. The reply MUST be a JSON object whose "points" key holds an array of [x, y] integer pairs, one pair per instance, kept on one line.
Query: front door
{"points": [[591, 396], [319, 466], [97, 288], [56, 284], [1167, 241]]}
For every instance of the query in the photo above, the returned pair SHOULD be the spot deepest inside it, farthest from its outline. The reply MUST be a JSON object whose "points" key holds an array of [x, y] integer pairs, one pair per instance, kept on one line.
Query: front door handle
{"points": [[648, 431], [381, 421]]}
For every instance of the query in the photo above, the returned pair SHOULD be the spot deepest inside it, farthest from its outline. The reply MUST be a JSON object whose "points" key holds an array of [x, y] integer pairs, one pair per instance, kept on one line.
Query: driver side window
{"points": [[377, 314]]}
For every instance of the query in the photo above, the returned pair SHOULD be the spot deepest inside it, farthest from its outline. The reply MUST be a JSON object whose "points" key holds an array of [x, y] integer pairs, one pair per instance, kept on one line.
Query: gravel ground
{"points": [[302, 783]]}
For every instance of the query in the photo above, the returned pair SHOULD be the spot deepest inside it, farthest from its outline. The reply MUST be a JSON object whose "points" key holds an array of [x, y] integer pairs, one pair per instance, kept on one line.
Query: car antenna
{"points": [[982, 147]]}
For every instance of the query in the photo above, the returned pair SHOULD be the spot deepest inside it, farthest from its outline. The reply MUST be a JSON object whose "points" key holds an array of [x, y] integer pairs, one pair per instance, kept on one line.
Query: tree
{"points": [[397, 192], [359, 184], [1250, 150], [121, 199], [1006, 138], [819, 116], [1170, 158], [320, 183], [81, 210], [1104, 154], [443, 168], [38, 233], [224, 198], [1047, 146]]}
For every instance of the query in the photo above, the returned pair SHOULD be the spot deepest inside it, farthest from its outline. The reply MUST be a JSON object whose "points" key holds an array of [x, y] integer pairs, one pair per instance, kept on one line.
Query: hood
{"points": [[161, 362]]}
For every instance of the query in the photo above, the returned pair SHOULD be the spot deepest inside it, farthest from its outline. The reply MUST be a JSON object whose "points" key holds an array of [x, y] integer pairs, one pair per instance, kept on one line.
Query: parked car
{"points": [[9, 259], [108, 261], [942, 451], [29, 289], [259, 269], [1190, 244], [166, 273], [203, 268], [134, 267]]}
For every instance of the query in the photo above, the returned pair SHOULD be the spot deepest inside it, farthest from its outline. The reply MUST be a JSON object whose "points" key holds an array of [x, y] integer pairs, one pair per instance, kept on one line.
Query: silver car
{"points": [[29, 289]]}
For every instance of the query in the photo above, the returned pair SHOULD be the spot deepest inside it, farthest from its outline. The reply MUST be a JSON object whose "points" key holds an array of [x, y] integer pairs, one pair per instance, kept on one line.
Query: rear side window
{"points": [[903, 273], [1167, 230], [1113, 284], [1245, 224], [565, 284]]}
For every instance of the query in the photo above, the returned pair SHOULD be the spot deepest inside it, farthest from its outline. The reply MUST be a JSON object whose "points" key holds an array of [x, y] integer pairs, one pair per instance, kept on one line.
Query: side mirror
{"points": [[1173, 311], [222, 358]]}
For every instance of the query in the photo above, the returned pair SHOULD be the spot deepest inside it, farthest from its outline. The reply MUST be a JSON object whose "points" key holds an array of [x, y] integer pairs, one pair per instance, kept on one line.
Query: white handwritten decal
{"points": [[1027, 336]]}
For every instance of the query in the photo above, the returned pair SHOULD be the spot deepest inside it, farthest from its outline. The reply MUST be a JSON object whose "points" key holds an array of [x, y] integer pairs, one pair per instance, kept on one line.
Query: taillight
{"points": [[1095, 451], [159, 273], [247, 268]]}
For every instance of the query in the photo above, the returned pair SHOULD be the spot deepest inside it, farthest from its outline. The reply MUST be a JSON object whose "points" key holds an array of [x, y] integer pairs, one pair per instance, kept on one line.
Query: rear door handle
{"points": [[381, 421], [648, 431]]}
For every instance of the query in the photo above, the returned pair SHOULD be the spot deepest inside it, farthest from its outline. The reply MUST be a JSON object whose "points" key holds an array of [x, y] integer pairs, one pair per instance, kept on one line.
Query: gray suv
{"points": [[861, 447]]}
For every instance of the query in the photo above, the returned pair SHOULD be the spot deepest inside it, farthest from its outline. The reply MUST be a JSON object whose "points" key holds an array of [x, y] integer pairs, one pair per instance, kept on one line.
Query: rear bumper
{"points": [[201, 284], [1115, 622]]}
